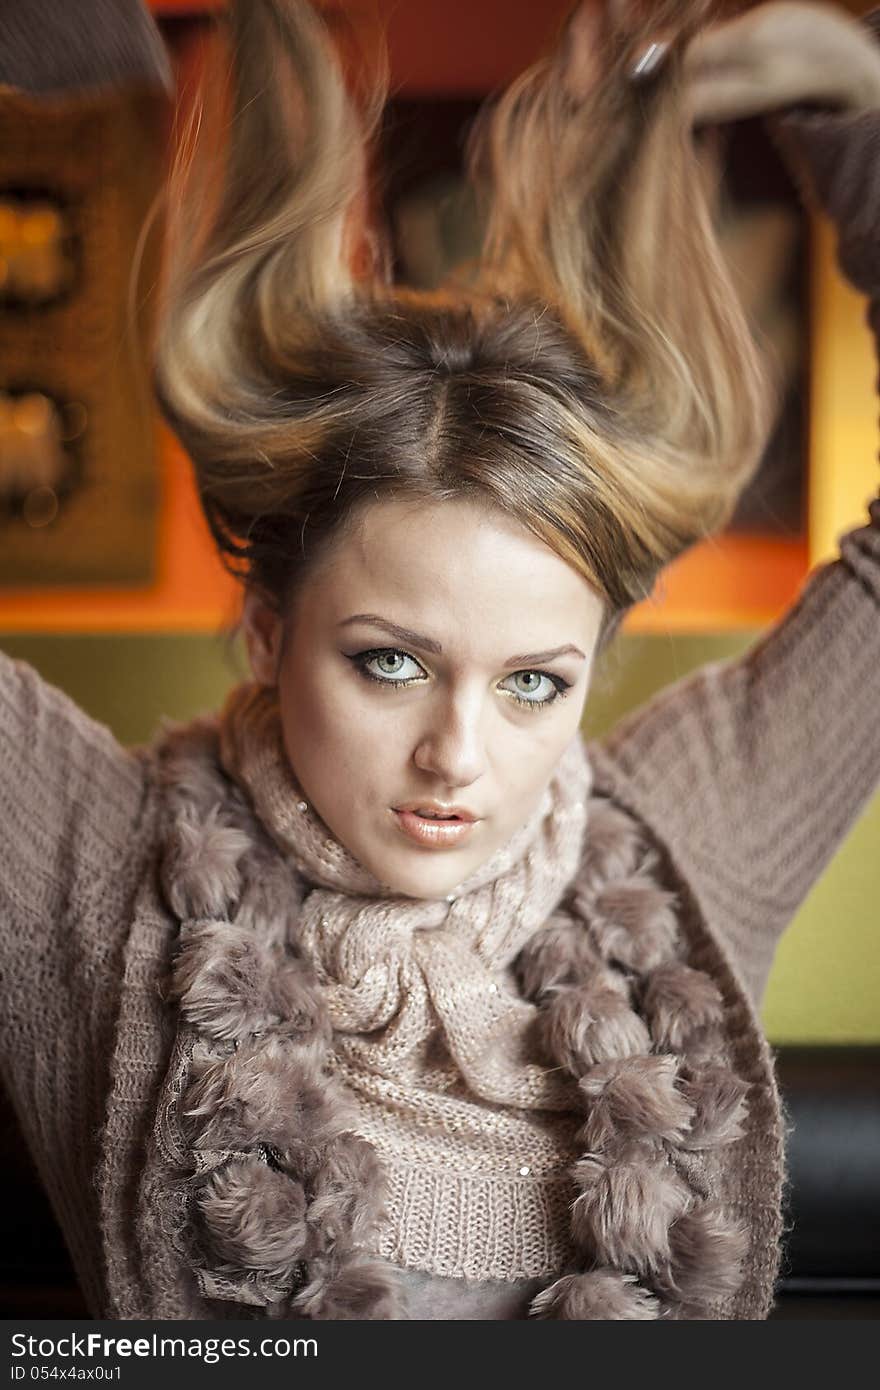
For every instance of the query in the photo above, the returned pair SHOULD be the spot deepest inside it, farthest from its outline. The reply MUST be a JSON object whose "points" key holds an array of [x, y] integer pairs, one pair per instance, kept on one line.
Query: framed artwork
{"points": [[78, 479]]}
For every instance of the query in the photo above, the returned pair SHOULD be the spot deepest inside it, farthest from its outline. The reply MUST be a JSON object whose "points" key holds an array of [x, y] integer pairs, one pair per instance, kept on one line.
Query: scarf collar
{"points": [[393, 967], [274, 1196]]}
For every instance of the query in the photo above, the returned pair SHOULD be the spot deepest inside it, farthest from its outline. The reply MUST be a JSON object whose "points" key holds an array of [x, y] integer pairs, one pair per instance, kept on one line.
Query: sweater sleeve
{"points": [[75, 820], [752, 771], [68, 796]]}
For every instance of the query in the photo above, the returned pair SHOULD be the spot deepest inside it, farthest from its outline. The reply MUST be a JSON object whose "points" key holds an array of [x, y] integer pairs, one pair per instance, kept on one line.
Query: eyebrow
{"points": [[429, 644]]}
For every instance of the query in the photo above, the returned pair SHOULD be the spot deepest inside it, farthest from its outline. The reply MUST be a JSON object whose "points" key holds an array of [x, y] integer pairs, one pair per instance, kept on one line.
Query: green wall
{"points": [[825, 986]]}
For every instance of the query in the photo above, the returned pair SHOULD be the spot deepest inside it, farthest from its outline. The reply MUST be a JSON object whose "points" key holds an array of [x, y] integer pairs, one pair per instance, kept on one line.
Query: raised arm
{"points": [[69, 795], [753, 770], [75, 814]]}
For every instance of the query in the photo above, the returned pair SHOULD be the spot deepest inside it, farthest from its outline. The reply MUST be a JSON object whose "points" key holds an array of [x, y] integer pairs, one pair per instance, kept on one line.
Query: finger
{"points": [[729, 96], [722, 46]]}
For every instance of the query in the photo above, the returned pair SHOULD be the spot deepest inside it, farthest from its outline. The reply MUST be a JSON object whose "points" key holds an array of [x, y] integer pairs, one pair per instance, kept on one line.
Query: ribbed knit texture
{"points": [[78, 829], [749, 774]]}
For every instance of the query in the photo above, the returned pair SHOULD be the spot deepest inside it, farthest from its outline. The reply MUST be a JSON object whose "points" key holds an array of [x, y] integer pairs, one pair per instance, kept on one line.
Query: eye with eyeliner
{"points": [[361, 660]]}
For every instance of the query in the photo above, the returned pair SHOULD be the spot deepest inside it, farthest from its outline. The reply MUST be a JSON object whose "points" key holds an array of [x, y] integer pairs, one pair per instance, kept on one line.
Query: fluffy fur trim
{"points": [[559, 954], [633, 923], [252, 1217], [201, 866], [707, 1250], [718, 1098], [265, 1091], [613, 848], [636, 1098], [232, 985], [679, 1002], [363, 1288], [581, 1026], [348, 1194], [601, 1294], [626, 1207]]}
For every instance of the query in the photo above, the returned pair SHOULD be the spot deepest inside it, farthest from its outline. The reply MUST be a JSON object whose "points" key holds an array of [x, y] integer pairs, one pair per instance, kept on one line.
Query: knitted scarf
{"points": [[293, 959]]}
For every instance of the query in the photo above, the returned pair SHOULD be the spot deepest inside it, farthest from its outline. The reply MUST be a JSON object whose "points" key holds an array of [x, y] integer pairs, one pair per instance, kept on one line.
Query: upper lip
{"points": [[438, 808]]}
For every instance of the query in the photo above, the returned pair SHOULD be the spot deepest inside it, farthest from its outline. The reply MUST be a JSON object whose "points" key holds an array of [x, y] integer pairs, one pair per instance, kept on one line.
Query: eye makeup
{"points": [[361, 661]]}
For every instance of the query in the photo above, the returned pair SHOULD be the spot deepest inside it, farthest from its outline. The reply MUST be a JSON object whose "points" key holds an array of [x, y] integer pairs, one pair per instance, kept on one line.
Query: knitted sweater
{"points": [[746, 775]]}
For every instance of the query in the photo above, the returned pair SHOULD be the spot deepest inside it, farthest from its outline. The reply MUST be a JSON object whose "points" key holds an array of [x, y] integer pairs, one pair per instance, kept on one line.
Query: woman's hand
{"points": [[781, 54]]}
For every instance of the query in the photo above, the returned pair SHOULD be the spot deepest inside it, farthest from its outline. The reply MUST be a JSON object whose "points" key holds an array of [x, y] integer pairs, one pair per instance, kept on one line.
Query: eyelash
{"points": [[360, 660]]}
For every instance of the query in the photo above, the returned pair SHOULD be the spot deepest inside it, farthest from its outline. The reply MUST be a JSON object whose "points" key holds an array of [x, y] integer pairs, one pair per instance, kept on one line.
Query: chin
{"points": [[422, 880], [421, 885]]}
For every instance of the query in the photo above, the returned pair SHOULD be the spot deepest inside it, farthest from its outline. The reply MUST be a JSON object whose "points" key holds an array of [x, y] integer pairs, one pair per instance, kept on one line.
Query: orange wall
{"points": [[191, 591]]}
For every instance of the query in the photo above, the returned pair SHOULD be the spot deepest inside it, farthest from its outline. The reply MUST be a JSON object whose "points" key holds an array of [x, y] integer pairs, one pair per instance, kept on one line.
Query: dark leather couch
{"points": [[831, 1263]]}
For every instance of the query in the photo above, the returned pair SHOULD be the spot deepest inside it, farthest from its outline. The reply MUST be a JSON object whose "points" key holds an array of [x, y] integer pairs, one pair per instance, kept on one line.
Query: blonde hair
{"points": [[593, 375]]}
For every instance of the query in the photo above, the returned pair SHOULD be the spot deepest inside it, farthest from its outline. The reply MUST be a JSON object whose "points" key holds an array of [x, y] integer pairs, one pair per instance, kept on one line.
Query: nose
{"points": [[452, 746]]}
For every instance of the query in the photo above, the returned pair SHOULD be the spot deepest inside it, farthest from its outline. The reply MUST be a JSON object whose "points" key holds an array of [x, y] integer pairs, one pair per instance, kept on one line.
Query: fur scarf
{"points": [[273, 1197]]}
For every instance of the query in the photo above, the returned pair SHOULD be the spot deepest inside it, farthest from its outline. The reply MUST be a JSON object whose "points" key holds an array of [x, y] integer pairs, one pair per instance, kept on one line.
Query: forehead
{"points": [[451, 569]]}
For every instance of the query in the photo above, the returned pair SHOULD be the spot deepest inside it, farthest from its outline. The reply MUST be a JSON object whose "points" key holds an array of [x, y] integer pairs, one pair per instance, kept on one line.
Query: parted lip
{"points": [[438, 808]]}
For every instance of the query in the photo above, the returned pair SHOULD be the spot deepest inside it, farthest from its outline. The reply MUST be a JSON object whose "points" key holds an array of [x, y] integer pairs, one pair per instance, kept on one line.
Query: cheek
{"points": [[543, 733], [334, 736], [527, 755], [523, 778]]}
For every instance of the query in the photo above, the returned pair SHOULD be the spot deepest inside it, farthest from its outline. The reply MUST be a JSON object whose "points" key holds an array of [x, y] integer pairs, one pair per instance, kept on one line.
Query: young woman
{"points": [[381, 994]]}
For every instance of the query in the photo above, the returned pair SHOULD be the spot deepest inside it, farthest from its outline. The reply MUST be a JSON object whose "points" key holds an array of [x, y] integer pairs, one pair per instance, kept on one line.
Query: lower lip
{"points": [[434, 834]]}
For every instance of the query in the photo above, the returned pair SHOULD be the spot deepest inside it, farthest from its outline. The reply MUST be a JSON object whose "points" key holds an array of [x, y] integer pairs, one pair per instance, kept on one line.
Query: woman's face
{"points": [[437, 659]]}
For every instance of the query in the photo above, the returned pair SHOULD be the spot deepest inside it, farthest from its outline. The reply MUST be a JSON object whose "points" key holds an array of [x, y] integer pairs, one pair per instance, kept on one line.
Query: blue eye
{"points": [[537, 689], [389, 666], [389, 663]]}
